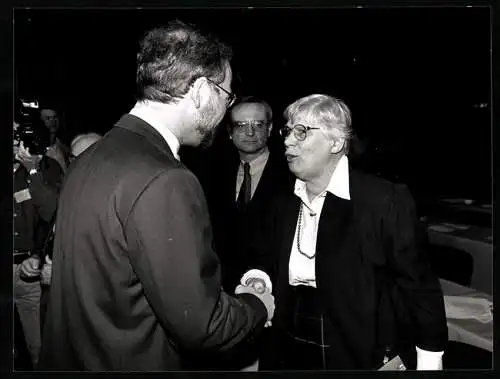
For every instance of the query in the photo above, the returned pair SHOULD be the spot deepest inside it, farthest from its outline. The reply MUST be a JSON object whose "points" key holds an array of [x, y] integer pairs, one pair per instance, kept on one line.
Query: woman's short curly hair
{"points": [[328, 111]]}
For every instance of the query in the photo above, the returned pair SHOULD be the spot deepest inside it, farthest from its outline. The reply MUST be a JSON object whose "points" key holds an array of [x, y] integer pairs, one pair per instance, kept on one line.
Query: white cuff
{"points": [[257, 274], [429, 360]]}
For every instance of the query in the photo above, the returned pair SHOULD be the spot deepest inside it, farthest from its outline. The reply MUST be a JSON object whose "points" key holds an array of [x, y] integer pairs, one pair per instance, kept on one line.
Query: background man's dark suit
{"points": [[234, 229], [371, 271], [139, 289]]}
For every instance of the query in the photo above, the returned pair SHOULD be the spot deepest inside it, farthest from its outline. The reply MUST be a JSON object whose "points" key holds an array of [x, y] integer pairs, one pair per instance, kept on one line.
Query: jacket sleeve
{"points": [[170, 244], [419, 286]]}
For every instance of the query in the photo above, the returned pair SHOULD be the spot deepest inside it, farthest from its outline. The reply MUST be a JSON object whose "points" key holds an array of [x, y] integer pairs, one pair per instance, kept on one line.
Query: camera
{"points": [[30, 130]]}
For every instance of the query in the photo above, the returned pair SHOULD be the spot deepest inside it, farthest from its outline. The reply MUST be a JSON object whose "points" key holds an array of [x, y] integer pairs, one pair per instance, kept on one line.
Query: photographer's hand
{"points": [[29, 161]]}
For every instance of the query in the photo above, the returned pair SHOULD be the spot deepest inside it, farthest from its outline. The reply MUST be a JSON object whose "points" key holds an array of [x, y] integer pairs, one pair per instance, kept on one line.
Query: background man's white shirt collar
{"points": [[258, 163]]}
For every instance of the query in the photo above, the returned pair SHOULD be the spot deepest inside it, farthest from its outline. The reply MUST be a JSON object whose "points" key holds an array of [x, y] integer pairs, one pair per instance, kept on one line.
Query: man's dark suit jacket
{"points": [[371, 270], [233, 228], [135, 283]]}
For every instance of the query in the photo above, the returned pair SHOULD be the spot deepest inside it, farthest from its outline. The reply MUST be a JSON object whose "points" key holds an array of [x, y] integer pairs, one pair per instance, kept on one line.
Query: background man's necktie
{"points": [[246, 187]]}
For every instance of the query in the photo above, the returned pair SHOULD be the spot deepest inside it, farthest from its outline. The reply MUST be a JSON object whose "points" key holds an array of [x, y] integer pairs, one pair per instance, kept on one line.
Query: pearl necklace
{"points": [[299, 233]]}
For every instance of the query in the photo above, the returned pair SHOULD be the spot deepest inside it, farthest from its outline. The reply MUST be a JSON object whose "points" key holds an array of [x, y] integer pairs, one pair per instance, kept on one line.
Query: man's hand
{"points": [[30, 267], [27, 160], [266, 297]]}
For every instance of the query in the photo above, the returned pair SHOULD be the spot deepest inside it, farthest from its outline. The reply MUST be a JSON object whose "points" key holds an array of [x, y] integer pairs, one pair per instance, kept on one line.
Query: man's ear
{"points": [[196, 92]]}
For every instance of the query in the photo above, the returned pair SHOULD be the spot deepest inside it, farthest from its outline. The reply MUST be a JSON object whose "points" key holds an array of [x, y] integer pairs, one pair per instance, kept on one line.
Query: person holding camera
{"points": [[37, 179]]}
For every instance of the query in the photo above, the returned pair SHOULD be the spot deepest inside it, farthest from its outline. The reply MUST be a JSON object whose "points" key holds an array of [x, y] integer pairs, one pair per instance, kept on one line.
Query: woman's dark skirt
{"points": [[301, 343]]}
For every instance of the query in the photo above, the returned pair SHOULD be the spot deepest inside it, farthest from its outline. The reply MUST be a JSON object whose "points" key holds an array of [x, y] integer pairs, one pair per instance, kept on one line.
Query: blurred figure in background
{"points": [[57, 149]]}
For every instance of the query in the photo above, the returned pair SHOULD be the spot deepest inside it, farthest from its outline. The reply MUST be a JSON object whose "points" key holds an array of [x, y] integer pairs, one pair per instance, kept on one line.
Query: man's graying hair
{"points": [[171, 58]]}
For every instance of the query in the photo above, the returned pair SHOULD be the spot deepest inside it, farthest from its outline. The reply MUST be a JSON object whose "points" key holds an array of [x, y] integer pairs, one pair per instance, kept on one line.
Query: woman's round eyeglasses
{"points": [[299, 131]]}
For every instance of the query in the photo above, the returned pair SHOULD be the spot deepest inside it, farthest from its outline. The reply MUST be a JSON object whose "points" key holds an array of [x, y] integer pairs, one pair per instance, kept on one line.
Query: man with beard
{"points": [[135, 282]]}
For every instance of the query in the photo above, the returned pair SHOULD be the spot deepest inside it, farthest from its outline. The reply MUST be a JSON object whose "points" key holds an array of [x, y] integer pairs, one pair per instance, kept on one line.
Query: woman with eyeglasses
{"points": [[344, 253]]}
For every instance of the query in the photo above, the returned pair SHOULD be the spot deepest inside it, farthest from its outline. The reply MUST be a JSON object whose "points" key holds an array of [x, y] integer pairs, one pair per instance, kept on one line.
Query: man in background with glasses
{"points": [[135, 280], [242, 188], [245, 185]]}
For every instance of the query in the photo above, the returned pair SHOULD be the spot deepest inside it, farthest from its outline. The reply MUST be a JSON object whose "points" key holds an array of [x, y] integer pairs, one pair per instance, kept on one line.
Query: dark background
{"points": [[416, 79]]}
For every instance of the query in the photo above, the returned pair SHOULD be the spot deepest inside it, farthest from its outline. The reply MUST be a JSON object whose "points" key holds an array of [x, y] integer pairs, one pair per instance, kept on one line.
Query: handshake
{"points": [[258, 283]]}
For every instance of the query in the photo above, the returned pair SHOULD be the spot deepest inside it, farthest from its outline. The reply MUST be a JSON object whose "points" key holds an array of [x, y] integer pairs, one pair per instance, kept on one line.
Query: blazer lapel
{"points": [[289, 214], [332, 230], [289, 225], [333, 227]]}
